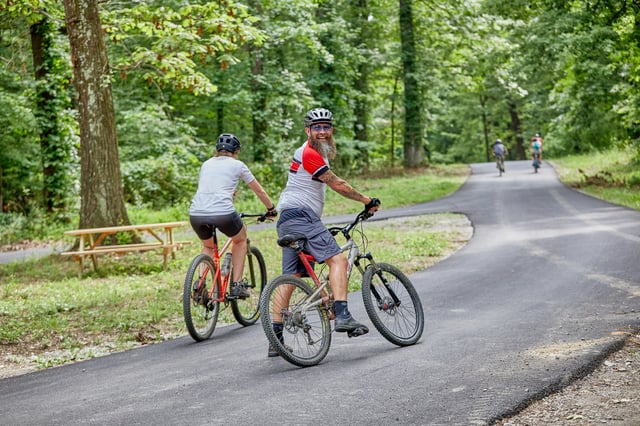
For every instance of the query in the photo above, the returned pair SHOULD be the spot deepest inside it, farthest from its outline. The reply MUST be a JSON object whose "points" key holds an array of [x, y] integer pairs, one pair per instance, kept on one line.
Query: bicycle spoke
{"points": [[247, 311], [393, 304], [200, 311], [306, 331]]}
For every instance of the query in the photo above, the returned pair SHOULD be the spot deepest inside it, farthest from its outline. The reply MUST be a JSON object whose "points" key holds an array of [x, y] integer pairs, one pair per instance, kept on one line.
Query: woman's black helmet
{"points": [[227, 142], [318, 115]]}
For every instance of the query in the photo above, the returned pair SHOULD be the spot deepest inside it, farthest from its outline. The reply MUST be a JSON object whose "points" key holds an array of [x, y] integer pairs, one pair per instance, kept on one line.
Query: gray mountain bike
{"points": [[306, 311]]}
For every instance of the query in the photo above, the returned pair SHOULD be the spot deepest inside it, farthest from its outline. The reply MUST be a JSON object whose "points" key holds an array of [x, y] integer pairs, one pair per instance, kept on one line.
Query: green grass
{"points": [[401, 188], [611, 175]]}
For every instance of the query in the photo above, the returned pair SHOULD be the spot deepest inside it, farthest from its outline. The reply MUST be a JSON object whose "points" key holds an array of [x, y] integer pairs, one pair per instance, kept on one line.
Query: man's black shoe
{"points": [[351, 326]]}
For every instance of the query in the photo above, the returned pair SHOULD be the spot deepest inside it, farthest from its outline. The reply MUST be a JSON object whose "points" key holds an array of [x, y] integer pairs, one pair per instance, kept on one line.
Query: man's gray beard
{"points": [[326, 148]]}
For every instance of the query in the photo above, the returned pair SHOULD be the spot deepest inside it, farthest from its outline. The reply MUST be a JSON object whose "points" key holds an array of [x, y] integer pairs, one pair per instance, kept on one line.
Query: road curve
{"points": [[542, 291]]}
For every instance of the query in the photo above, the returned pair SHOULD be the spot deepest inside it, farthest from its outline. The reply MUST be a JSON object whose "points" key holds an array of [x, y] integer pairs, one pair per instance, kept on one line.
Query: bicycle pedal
{"points": [[357, 332]]}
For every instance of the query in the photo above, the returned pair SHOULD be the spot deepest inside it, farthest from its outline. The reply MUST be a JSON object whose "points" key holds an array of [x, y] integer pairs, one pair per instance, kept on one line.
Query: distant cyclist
{"points": [[499, 151], [536, 148]]}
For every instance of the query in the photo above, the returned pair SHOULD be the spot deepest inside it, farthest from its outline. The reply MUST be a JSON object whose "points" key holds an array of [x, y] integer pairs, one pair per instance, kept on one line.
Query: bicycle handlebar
{"points": [[261, 216], [360, 217]]}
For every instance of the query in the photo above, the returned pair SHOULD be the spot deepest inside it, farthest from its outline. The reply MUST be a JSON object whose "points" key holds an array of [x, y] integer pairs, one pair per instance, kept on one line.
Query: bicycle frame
{"points": [[320, 295], [305, 311], [217, 255], [217, 277]]}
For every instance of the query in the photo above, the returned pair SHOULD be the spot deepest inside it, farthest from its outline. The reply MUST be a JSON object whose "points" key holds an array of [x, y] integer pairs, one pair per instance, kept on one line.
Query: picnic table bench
{"points": [[92, 239]]}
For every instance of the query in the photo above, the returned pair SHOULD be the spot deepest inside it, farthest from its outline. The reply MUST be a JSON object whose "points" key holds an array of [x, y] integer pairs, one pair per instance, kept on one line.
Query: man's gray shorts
{"points": [[320, 243]]}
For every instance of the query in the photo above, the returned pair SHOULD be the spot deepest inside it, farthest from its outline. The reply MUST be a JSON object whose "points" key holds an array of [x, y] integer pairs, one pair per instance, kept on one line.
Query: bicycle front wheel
{"points": [[200, 310], [306, 330], [392, 303], [247, 311]]}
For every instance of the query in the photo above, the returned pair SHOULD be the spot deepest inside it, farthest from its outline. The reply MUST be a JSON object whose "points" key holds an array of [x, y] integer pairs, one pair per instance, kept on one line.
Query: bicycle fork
{"points": [[389, 303]]}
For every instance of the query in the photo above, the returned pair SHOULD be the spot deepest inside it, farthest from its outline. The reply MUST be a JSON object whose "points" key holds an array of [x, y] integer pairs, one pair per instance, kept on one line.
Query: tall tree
{"points": [[52, 101], [102, 198], [413, 101]]}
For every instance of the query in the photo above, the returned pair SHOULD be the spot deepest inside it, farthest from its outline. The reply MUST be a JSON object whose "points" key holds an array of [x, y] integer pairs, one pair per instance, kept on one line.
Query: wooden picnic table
{"points": [[91, 241]]}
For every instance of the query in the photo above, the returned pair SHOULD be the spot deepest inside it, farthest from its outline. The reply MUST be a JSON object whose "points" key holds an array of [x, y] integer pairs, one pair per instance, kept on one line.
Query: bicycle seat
{"points": [[291, 239]]}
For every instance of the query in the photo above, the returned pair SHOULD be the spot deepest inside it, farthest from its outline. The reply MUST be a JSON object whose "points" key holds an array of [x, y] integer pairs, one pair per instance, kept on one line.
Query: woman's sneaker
{"points": [[239, 290]]}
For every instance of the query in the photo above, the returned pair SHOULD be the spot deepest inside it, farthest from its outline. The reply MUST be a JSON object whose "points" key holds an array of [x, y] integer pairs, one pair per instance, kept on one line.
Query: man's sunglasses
{"points": [[324, 128]]}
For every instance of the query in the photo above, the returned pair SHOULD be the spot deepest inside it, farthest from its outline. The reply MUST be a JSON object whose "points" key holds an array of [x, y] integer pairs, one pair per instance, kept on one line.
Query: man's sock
{"points": [[342, 311]]}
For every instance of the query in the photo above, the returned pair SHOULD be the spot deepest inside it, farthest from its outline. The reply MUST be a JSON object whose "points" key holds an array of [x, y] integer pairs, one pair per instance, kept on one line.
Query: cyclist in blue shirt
{"points": [[536, 148]]}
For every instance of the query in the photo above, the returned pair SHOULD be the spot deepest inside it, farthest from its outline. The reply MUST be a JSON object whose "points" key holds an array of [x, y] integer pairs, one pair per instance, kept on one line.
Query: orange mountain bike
{"points": [[306, 311], [207, 281]]}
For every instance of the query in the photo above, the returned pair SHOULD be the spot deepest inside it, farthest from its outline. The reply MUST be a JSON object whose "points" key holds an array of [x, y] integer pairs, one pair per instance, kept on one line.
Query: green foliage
{"points": [[183, 72], [56, 121], [166, 44], [19, 165], [612, 175], [39, 226], [160, 157], [37, 125]]}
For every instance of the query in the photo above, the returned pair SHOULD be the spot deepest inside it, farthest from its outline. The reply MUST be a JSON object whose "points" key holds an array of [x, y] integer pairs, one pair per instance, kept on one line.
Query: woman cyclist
{"points": [[212, 205]]}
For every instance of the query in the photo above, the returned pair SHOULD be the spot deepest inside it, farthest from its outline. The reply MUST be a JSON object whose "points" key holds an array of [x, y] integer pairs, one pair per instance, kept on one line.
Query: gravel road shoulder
{"points": [[609, 395]]}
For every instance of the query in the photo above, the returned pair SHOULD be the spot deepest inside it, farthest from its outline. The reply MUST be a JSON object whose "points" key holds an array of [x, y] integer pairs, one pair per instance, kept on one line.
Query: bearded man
{"points": [[300, 206]]}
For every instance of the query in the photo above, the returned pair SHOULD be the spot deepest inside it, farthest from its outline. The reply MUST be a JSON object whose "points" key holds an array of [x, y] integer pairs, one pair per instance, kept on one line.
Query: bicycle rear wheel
{"points": [[200, 312], [392, 303], [247, 311], [306, 334]]}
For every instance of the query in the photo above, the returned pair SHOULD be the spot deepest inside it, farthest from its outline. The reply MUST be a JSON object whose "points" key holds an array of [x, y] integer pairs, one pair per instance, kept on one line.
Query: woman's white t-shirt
{"points": [[219, 177]]}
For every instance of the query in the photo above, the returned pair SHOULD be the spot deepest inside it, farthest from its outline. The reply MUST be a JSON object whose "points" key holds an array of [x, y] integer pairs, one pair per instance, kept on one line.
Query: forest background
{"points": [[110, 107]]}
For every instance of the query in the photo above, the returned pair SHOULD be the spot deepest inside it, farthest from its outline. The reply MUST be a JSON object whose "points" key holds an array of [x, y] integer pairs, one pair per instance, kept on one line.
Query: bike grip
{"points": [[375, 202]]}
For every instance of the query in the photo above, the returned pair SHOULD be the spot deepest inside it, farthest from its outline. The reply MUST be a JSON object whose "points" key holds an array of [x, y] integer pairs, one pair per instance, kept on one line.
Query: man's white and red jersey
{"points": [[304, 188]]}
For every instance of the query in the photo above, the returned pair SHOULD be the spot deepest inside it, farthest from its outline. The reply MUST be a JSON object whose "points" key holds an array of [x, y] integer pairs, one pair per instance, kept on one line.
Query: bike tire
{"points": [[247, 311], [392, 304], [200, 315], [306, 335]]}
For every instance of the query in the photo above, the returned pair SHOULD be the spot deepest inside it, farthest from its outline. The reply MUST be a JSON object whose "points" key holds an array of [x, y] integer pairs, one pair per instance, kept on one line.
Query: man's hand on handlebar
{"points": [[372, 206]]}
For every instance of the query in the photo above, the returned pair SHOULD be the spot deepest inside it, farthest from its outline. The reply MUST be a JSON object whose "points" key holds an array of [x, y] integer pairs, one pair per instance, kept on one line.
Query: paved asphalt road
{"points": [[536, 298]]}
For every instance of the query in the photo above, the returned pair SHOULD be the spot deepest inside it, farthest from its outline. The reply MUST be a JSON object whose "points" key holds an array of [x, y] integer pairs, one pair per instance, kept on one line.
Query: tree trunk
{"points": [[485, 126], [55, 148], [361, 110], [413, 126], [515, 130], [101, 194], [258, 115], [394, 97]]}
